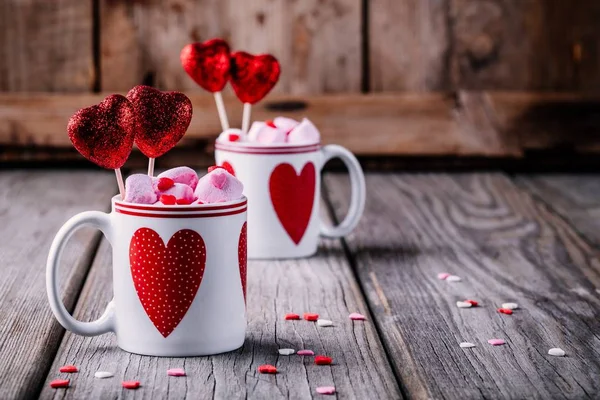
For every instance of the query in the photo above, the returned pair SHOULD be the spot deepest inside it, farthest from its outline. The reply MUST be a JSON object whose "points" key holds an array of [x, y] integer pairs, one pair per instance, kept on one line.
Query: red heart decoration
{"points": [[243, 256], [228, 167], [104, 133], [293, 197], [207, 63], [163, 117], [166, 279], [252, 77]]}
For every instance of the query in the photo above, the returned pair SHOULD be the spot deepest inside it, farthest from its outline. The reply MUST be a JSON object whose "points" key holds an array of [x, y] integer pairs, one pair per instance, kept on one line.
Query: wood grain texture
{"points": [[506, 246], [33, 206], [318, 43], [409, 45], [322, 284], [46, 46]]}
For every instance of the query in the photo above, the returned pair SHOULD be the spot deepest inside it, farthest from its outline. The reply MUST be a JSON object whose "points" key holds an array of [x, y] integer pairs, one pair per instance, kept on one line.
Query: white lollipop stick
{"points": [[246, 117], [221, 110], [120, 183], [150, 166]]}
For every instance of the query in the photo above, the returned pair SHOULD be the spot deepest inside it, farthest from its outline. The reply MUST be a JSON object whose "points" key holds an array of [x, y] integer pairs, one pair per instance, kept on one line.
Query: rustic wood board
{"points": [[322, 284], [317, 43], [34, 205], [506, 246], [46, 46], [575, 197]]}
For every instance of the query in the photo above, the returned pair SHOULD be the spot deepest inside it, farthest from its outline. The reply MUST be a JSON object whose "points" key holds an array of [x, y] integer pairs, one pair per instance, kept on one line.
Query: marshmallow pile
{"points": [[181, 186], [281, 130]]}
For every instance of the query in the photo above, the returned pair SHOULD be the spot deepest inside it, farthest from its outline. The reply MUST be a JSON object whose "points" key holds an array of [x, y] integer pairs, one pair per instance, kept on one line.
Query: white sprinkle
{"points": [[510, 306], [466, 345], [463, 304], [443, 276], [558, 352], [286, 352], [324, 322], [453, 278], [103, 374]]}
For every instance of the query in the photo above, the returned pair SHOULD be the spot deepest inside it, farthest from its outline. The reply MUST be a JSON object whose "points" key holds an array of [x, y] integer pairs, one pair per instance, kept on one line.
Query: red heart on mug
{"points": [[207, 63], [293, 196], [104, 133], [243, 256], [163, 119], [166, 278], [252, 77]]}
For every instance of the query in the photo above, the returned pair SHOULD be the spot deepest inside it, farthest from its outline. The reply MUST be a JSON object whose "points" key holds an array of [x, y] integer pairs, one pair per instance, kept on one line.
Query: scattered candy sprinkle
{"points": [[176, 372], [323, 360], [324, 322], [326, 390], [305, 353], [165, 184], [168, 199], [183, 202], [286, 352], [466, 345], [443, 276], [463, 304], [510, 306], [311, 316], [357, 317], [59, 383], [130, 384], [496, 342], [103, 374], [234, 137], [473, 302], [556, 351], [69, 369], [270, 123], [267, 369], [506, 311], [453, 278], [291, 317]]}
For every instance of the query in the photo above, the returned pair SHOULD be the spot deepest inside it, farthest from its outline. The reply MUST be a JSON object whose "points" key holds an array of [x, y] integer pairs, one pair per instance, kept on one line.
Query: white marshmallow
{"points": [[262, 133], [304, 132], [224, 136], [285, 123]]}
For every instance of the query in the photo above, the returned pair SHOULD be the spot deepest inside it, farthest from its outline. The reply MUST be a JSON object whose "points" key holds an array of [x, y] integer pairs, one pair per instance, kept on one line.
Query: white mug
{"points": [[179, 277], [283, 186]]}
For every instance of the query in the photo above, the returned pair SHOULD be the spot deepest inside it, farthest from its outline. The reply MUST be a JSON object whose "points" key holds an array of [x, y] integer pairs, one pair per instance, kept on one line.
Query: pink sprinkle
{"points": [[496, 342], [357, 317], [326, 390], [305, 353], [443, 275], [176, 372]]}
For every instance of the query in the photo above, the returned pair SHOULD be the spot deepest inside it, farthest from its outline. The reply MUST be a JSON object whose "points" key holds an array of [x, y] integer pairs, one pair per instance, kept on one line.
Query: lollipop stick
{"points": [[221, 110], [150, 166], [246, 117], [120, 182]]}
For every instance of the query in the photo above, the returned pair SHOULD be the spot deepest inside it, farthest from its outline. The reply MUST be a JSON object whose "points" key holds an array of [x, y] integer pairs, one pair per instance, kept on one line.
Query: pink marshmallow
{"points": [[229, 135], [139, 189], [180, 191], [184, 175], [218, 186], [305, 132], [285, 124], [263, 133]]}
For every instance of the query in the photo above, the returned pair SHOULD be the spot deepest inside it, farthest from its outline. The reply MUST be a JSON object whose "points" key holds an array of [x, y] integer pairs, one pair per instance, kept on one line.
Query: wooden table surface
{"points": [[531, 239]]}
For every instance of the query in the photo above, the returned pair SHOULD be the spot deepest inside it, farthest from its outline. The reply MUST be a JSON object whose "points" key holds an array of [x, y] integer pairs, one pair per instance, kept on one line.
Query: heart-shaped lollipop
{"points": [[207, 63], [104, 133], [163, 119], [253, 77]]}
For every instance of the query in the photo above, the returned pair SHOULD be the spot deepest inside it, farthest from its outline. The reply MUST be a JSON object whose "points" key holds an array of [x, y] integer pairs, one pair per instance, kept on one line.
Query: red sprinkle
{"points": [[311, 317], [323, 360], [183, 202], [472, 302], [234, 137], [130, 384], [165, 184], [168, 199], [213, 167], [506, 311], [68, 369], [267, 369], [291, 316], [270, 123], [59, 383]]}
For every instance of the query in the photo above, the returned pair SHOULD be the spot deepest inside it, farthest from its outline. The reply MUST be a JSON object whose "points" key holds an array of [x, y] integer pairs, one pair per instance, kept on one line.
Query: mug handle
{"points": [[103, 324], [357, 184]]}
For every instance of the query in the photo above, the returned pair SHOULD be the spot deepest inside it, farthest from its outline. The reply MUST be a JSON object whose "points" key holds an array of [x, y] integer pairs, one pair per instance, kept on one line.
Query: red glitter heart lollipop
{"points": [[207, 63], [104, 133], [164, 117], [252, 77]]}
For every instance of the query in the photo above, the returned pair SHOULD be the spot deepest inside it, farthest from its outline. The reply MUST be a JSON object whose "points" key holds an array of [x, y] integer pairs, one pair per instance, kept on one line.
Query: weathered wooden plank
{"points": [[317, 43], [322, 284], [575, 197], [408, 43], [46, 45], [506, 246], [33, 206]]}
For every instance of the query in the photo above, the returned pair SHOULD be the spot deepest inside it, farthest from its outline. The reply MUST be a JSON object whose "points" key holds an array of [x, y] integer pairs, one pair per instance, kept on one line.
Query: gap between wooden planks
{"points": [[494, 124]]}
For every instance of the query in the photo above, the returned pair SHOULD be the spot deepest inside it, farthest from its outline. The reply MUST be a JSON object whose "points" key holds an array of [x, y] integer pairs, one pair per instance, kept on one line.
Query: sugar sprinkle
{"points": [[324, 322], [466, 345], [556, 351], [286, 352]]}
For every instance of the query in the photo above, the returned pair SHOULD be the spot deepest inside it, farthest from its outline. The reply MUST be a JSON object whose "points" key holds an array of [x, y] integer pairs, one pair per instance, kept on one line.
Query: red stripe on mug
{"points": [[191, 215], [162, 208], [268, 150]]}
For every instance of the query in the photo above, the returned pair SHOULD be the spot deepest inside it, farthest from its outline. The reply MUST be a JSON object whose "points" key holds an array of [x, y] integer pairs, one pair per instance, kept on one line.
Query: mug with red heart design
{"points": [[179, 277], [282, 183]]}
